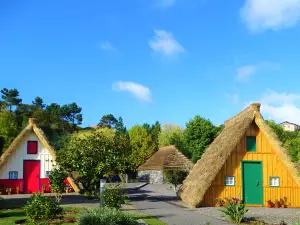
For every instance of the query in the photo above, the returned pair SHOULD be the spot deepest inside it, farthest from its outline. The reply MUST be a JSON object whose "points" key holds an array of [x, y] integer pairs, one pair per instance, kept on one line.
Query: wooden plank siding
{"points": [[272, 166]]}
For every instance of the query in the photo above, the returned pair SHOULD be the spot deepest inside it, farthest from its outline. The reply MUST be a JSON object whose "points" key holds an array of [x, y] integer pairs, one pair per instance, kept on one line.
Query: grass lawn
{"points": [[8, 217], [148, 219]]}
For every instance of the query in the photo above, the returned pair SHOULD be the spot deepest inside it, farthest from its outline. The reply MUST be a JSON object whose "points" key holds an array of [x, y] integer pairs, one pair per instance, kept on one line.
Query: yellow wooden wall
{"points": [[272, 166]]}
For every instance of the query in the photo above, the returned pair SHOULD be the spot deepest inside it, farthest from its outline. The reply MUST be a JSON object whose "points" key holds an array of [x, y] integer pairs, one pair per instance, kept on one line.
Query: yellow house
{"points": [[246, 161]]}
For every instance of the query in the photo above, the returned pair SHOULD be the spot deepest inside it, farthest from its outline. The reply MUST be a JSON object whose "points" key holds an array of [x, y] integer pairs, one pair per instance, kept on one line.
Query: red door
{"points": [[31, 176]]}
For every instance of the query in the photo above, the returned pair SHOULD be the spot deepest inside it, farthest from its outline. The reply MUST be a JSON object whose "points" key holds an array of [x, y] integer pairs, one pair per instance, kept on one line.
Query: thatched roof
{"points": [[207, 168], [32, 127], [166, 158]]}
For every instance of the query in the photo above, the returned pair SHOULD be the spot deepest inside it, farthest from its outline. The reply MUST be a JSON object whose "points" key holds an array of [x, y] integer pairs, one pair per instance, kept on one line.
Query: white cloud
{"points": [[164, 43], [165, 3], [139, 91], [245, 72], [281, 106], [107, 46], [270, 14]]}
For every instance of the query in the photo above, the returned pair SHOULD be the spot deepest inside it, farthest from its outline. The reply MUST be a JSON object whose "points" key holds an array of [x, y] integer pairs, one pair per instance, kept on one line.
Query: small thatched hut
{"points": [[246, 161], [28, 161], [167, 157]]}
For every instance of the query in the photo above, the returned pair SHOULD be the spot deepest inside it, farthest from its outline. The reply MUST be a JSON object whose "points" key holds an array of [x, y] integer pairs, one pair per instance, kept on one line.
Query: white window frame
{"points": [[274, 182], [229, 181], [13, 175]]}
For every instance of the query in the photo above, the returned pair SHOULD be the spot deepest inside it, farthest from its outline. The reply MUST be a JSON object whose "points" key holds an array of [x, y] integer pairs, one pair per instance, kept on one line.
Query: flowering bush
{"points": [[220, 202], [235, 210]]}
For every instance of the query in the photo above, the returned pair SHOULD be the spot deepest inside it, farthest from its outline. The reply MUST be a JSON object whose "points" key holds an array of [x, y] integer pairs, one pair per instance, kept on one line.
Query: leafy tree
{"points": [[293, 147], [57, 184], [199, 133], [175, 177], [8, 129], [142, 145], [38, 102], [10, 98], [72, 114], [93, 155], [173, 135], [155, 130], [279, 131], [108, 121]]}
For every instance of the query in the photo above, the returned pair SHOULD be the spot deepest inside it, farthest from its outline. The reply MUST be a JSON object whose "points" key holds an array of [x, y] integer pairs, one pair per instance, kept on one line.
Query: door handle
{"points": [[257, 183]]}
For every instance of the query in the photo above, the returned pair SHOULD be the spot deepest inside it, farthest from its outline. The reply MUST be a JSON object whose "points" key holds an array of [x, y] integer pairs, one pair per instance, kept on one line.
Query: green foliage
{"points": [[172, 135], [41, 208], [95, 154], [57, 177], [175, 176], [235, 210], [199, 133], [10, 98], [114, 196], [142, 145], [38, 102], [105, 216], [108, 121], [296, 222], [8, 129], [279, 131], [290, 140]]}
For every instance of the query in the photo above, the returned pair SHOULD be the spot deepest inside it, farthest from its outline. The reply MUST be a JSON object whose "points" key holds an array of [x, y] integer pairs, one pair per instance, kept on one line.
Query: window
{"points": [[250, 144], [32, 147], [229, 181], [274, 182], [47, 174], [13, 175]]}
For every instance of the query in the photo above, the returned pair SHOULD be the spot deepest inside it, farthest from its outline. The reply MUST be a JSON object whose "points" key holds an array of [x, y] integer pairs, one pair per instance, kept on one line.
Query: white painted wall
{"points": [[15, 161]]}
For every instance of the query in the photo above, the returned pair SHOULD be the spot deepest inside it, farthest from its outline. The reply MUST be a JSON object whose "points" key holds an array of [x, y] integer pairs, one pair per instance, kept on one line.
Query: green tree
{"points": [[142, 145], [108, 121], [172, 134], [155, 130], [38, 102], [11, 98], [8, 129], [293, 147], [279, 131], [93, 155], [72, 114], [199, 133]]}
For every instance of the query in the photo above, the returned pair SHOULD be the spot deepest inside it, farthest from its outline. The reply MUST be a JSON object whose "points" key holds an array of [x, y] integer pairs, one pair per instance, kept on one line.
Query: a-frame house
{"points": [[246, 161], [28, 161]]}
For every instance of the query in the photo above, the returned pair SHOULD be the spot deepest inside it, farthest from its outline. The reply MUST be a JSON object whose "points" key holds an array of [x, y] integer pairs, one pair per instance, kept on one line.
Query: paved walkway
{"points": [[161, 201], [166, 209]]}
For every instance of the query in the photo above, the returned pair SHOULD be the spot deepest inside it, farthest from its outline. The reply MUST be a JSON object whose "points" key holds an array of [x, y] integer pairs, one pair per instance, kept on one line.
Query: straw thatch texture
{"points": [[206, 169], [166, 157], [32, 126], [212, 161]]}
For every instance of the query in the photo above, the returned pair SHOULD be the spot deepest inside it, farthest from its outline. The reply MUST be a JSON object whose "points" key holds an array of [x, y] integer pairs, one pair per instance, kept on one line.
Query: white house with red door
{"points": [[27, 162]]}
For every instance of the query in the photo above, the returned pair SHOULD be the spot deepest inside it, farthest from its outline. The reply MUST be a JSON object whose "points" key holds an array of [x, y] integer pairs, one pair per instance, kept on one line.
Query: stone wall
{"points": [[151, 176]]}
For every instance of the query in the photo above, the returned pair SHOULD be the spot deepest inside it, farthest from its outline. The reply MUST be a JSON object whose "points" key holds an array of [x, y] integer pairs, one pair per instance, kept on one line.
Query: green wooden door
{"points": [[252, 183]]}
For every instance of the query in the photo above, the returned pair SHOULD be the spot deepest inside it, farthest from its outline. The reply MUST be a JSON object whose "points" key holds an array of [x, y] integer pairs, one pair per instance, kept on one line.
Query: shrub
{"points": [[105, 216], [41, 208], [57, 177], [235, 210], [175, 177], [296, 222], [113, 196]]}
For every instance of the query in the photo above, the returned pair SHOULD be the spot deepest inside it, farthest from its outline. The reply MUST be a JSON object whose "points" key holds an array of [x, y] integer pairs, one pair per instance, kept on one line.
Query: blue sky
{"points": [[148, 60]]}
